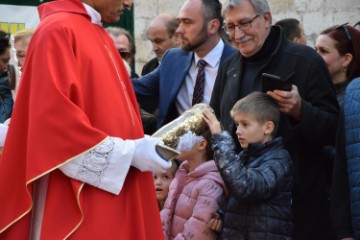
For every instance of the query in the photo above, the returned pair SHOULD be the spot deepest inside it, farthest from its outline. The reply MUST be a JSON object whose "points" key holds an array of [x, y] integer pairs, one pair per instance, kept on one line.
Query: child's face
{"points": [[250, 130], [162, 183]]}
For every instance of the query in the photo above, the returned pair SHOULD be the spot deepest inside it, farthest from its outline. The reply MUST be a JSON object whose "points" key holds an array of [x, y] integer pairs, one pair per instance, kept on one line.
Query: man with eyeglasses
{"points": [[177, 80], [76, 164], [125, 45], [308, 120]]}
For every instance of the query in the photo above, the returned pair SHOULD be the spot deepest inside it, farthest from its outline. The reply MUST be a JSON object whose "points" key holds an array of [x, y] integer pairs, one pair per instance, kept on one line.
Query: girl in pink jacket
{"points": [[196, 191]]}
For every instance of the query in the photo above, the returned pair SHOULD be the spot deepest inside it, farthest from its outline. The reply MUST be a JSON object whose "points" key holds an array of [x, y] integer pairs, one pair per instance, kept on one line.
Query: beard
{"points": [[197, 41]]}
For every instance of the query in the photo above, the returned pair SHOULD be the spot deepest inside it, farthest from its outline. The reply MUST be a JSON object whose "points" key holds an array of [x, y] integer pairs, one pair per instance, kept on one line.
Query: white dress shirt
{"points": [[184, 98]]}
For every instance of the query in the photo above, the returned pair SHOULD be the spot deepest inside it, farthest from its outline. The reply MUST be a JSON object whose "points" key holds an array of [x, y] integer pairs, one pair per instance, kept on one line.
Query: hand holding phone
{"points": [[272, 82]]}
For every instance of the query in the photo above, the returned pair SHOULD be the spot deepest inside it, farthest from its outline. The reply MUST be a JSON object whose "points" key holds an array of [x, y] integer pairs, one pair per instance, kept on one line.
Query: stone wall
{"points": [[315, 15]]}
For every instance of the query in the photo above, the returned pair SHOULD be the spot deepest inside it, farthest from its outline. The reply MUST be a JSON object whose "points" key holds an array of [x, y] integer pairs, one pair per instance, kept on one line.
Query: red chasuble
{"points": [[74, 93]]}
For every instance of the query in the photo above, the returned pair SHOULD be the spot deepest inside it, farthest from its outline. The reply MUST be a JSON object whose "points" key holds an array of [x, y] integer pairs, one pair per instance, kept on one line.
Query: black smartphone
{"points": [[271, 82]]}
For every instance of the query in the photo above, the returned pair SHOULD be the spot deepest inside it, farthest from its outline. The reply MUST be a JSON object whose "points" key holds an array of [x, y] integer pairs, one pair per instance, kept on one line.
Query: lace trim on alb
{"points": [[95, 163]]}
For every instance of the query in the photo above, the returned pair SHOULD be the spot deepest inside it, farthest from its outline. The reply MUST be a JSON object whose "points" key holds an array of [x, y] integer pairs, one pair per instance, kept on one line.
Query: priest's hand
{"points": [[146, 158]]}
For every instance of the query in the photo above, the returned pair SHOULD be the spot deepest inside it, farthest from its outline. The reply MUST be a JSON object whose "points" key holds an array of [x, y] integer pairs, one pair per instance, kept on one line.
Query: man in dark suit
{"points": [[125, 44], [162, 36], [161, 33], [174, 80]]}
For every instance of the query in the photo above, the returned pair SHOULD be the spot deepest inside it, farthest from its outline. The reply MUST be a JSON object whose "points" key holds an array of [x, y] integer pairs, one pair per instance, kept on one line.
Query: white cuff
{"points": [[105, 166], [3, 132]]}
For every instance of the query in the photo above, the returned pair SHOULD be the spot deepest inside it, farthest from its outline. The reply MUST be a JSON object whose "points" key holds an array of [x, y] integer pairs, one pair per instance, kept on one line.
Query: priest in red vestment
{"points": [[76, 164]]}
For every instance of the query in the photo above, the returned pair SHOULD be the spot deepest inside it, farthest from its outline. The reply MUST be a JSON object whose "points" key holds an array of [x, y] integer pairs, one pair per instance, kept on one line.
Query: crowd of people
{"points": [[270, 164]]}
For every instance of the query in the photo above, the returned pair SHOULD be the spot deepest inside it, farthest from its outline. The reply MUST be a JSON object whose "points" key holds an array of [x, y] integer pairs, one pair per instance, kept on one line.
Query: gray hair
{"points": [[117, 31], [260, 6]]}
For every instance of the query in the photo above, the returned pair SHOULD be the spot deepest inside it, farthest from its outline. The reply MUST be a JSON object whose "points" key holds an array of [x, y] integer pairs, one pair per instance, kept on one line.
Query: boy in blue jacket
{"points": [[259, 179]]}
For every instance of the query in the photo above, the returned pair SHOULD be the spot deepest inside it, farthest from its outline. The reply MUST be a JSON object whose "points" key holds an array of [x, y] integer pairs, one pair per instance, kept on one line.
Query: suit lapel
{"points": [[232, 90], [233, 84], [183, 65]]}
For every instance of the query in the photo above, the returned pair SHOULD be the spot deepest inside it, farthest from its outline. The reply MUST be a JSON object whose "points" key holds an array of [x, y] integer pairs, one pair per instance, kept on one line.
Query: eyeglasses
{"points": [[243, 25], [124, 54], [346, 30]]}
